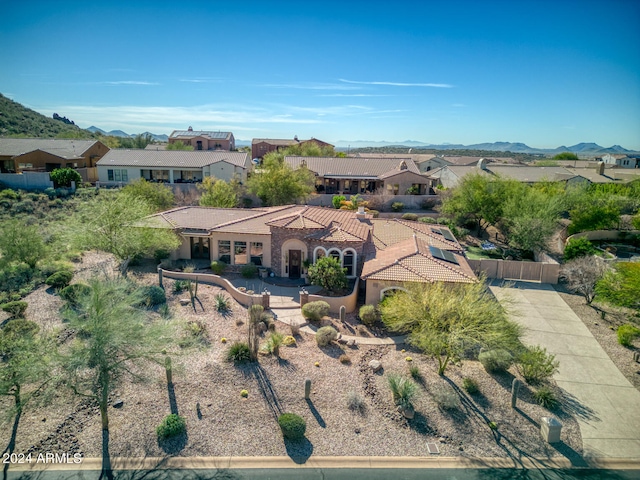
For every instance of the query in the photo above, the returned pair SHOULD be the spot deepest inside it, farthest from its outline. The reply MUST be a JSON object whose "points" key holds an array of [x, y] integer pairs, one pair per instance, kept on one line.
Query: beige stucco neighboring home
{"points": [[261, 146], [386, 254], [355, 175], [620, 160], [204, 140], [121, 166]]}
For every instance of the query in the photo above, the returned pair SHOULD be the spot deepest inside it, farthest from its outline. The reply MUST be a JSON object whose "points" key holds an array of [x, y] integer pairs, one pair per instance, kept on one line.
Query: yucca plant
{"points": [[402, 389]]}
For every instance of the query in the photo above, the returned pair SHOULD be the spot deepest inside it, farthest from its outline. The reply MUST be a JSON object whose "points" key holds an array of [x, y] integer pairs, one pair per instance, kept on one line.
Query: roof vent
{"points": [[190, 129], [360, 214], [403, 165]]}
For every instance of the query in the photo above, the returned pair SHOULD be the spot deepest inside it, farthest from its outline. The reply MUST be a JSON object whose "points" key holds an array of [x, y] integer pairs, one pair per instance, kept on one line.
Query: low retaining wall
{"points": [[241, 297], [603, 235], [349, 301], [378, 202], [546, 272]]}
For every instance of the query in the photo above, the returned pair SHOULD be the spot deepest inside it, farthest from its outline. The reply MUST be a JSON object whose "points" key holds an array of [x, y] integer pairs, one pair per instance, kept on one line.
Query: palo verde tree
{"points": [[582, 275], [621, 285], [158, 195], [114, 336], [24, 362], [447, 320], [218, 193], [20, 242], [116, 223]]}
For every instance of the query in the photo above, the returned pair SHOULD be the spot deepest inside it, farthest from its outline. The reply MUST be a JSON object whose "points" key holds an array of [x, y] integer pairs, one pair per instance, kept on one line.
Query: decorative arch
{"points": [[350, 261], [383, 292], [335, 252], [318, 253], [287, 246]]}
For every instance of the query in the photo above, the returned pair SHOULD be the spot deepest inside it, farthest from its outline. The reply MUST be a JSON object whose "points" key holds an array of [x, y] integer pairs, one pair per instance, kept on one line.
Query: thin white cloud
{"points": [[309, 86], [200, 80], [128, 82], [398, 84]]}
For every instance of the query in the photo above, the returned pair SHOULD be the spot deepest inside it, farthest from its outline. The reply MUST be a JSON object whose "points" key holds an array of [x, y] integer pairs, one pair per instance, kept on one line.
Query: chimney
{"points": [[190, 129], [360, 214], [295, 137], [600, 168], [482, 164]]}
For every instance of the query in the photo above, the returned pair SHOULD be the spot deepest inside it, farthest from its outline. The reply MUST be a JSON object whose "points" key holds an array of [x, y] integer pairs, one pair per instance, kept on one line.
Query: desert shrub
{"points": [[410, 216], [314, 311], [414, 371], [9, 195], [337, 200], [355, 401], [536, 364], [218, 268], [244, 393], [60, 279], [238, 353], [48, 269], [15, 309], [427, 220], [293, 426], [326, 335], [495, 360], [374, 213], [249, 271], [64, 176], [578, 247], [26, 206], [397, 206], [295, 329], [160, 254], [221, 303], [402, 389], [368, 314], [470, 385], [344, 359], [16, 276], [196, 328], [428, 204], [273, 343], [328, 273], [545, 397], [180, 286], [152, 295], [289, 340], [445, 396], [171, 426], [74, 292], [627, 333]]}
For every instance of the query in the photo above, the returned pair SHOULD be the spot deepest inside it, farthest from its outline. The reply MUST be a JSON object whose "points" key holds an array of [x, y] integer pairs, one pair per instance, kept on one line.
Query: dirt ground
{"points": [[206, 392]]}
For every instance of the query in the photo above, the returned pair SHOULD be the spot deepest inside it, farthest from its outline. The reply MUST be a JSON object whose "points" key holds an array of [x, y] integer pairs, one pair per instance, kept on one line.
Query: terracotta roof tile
{"points": [[387, 232], [372, 167]]}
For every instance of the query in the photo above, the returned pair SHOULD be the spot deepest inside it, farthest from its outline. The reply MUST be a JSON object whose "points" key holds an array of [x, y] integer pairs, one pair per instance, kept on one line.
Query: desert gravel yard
{"points": [[220, 422]]}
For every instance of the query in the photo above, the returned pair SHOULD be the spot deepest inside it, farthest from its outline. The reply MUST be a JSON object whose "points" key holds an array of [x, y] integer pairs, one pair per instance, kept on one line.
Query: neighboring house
{"points": [[351, 175], [385, 253], [261, 146], [121, 166], [623, 161], [204, 140], [46, 154]]}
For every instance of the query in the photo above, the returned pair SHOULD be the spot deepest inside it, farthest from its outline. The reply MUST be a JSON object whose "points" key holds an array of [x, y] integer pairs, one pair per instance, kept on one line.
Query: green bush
{"points": [[72, 293], [545, 397], [495, 360], [152, 295], [171, 426], [536, 364], [239, 353], [414, 371], [273, 343], [578, 247], [326, 335], [402, 389], [293, 426], [160, 255], [397, 206], [249, 271], [428, 204], [427, 220], [180, 286], [410, 216], [9, 195], [15, 309], [627, 333], [314, 311], [217, 267], [327, 273], [368, 314], [355, 401], [15, 277], [60, 279], [64, 176], [470, 385], [221, 303], [48, 269], [337, 200]]}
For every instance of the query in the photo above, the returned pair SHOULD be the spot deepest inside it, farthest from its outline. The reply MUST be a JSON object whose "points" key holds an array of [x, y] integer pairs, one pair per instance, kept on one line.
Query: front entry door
{"points": [[294, 263]]}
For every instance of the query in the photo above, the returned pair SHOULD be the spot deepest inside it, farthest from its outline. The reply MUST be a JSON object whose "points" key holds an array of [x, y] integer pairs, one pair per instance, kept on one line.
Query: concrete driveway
{"points": [[606, 405]]}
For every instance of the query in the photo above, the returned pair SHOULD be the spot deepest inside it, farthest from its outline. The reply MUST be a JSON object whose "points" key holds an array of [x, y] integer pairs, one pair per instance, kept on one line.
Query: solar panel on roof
{"points": [[436, 230], [448, 256], [448, 235], [445, 255]]}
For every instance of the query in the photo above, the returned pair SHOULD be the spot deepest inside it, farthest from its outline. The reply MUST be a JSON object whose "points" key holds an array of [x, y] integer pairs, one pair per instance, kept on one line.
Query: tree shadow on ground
{"points": [[420, 424], [299, 450], [265, 387], [175, 444], [286, 364], [332, 350], [316, 414], [173, 403], [571, 406]]}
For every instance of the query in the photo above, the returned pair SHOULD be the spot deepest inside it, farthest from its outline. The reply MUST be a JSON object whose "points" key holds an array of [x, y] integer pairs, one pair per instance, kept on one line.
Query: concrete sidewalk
{"points": [[603, 401]]}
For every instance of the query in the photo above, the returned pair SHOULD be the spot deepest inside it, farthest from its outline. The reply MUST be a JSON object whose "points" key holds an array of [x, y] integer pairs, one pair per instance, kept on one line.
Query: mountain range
{"points": [[517, 147], [119, 133]]}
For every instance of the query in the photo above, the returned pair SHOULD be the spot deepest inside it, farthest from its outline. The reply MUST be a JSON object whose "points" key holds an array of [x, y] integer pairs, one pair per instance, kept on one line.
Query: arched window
{"points": [[349, 262], [318, 253], [385, 292], [335, 253]]}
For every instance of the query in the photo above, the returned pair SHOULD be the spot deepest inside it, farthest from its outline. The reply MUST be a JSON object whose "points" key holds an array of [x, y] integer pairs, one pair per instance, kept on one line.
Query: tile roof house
{"points": [[120, 166], [353, 175], [204, 140], [384, 253], [261, 146], [47, 154]]}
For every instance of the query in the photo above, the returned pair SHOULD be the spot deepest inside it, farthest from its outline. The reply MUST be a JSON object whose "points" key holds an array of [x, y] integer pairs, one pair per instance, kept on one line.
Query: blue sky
{"points": [[545, 73]]}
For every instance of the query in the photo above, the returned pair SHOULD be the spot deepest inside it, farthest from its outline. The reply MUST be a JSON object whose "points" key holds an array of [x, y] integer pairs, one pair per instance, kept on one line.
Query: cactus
{"points": [[343, 313], [167, 366], [307, 388], [515, 386]]}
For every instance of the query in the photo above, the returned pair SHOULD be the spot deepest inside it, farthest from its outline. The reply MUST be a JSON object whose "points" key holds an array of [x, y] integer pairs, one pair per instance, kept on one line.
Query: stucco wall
{"points": [[603, 234], [374, 289], [26, 181], [349, 301]]}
